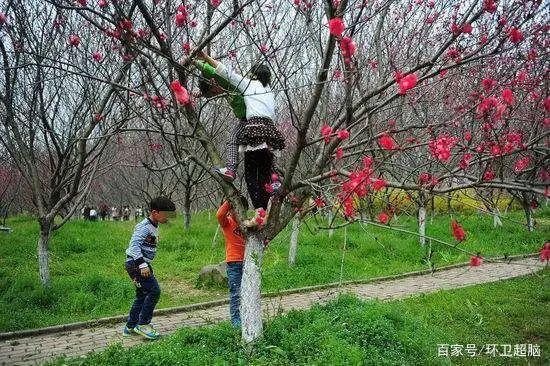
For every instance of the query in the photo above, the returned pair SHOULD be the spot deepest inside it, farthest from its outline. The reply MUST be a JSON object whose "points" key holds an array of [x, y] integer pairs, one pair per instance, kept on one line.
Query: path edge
{"points": [[210, 304]]}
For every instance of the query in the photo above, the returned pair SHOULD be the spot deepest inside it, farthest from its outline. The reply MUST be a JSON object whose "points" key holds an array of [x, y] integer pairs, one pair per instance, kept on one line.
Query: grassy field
{"points": [[88, 279], [352, 332]]}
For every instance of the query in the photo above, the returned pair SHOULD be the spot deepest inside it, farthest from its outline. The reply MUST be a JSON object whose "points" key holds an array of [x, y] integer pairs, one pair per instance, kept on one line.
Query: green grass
{"points": [[353, 332], [88, 279]]}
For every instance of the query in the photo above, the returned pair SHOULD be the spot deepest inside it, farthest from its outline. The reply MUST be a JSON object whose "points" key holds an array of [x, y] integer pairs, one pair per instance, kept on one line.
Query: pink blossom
{"points": [[406, 83], [343, 134], [182, 96], [74, 40], [521, 164], [386, 142], [515, 35], [336, 27], [508, 96], [97, 56], [326, 131]]}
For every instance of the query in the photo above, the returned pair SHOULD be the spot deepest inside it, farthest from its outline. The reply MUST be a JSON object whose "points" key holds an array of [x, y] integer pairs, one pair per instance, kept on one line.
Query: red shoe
{"points": [[227, 174]]}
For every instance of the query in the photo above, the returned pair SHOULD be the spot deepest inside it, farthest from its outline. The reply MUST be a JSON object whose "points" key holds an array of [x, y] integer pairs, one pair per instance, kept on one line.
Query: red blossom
{"points": [[274, 177], [489, 6], [326, 131], [386, 142], [186, 48], [215, 3], [383, 218], [336, 27], [347, 45], [458, 231], [74, 40], [268, 188], [159, 102], [465, 161], [467, 28], [339, 153], [545, 252], [521, 164], [424, 178], [379, 184], [440, 148], [406, 83], [102, 3], [367, 162], [508, 96], [3, 18], [515, 35], [182, 96], [97, 56], [488, 84], [476, 261], [488, 175], [180, 19], [343, 134], [319, 202]]}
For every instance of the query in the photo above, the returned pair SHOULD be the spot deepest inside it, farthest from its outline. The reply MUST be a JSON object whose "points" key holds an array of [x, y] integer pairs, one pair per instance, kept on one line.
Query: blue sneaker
{"points": [[127, 332], [146, 331]]}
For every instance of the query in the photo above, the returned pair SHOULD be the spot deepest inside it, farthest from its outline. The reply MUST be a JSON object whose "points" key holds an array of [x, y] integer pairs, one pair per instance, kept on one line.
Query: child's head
{"points": [[209, 88], [261, 73], [161, 209]]}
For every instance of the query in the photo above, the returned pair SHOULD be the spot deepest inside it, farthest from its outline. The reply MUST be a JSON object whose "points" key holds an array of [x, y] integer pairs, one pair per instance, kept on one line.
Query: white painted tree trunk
{"points": [[43, 260], [496, 218], [330, 217], [251, 309], [294, 240], [529, 218], [422, 225]]}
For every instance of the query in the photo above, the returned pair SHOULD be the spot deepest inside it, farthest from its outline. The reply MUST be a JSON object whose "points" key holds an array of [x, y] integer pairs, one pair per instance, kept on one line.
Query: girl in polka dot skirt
{"points": [[256, 135]]}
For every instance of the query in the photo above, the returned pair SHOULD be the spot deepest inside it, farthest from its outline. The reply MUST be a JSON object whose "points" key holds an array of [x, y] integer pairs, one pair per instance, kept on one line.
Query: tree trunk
{"points": [[187, 209], [422, 225], [251, 309], [43, 243], [432, 213], [528, 212], [294, 240], [330, 218], [496, 218]]}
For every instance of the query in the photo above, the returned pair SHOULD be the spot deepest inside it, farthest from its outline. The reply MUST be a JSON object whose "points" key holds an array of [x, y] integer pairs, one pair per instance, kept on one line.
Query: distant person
{"points": [[103, 211], [126, 213], [93, 214], [115, 213], [139, 255], [139, 213], [87, 210], [234, 256]]}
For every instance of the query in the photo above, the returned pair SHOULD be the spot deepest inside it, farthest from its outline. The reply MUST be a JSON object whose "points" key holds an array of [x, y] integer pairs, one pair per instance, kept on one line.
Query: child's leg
{"points": [[233, 148], [257, 174], [151, 287], [133, 318], [234, 276]]}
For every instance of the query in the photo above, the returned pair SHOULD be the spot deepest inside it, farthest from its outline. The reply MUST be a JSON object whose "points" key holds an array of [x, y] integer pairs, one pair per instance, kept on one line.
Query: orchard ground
{"points": [[353, 332], [88, 279]]}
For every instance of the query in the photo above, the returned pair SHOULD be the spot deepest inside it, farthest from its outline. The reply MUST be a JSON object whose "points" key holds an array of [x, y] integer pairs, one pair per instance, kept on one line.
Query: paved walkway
{"points": [[40, 348]]}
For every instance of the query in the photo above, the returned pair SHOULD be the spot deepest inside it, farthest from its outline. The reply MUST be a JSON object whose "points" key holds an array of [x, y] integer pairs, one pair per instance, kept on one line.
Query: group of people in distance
{"points": [[103, 212], [255, 135]]}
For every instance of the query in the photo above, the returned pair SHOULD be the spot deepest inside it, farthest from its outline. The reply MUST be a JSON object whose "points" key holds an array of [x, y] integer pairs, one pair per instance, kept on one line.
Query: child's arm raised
{"points": [[221, 215], [238, 81]]}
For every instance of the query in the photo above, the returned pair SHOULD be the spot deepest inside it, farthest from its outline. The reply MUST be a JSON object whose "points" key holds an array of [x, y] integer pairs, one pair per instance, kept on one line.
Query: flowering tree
{"points": [[371, 95], [55, 122]]}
